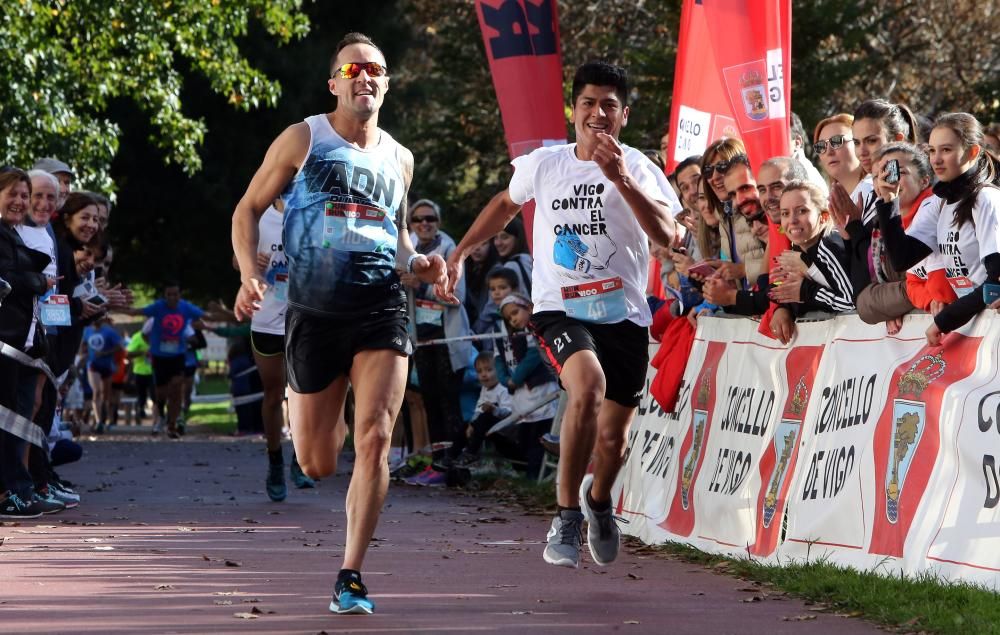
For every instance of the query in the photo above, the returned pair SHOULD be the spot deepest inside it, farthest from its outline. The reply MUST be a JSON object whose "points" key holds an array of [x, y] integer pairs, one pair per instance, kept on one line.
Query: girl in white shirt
{"points": [[963, 228]]}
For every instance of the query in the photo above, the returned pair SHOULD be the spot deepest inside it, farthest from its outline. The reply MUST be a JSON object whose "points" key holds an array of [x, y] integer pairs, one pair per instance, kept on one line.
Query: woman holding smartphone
{"points": [[964, 227]]}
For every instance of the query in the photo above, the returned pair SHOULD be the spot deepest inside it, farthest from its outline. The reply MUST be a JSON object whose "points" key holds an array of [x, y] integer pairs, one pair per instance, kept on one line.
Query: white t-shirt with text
{"points": [[591, 255], [962, 249]]}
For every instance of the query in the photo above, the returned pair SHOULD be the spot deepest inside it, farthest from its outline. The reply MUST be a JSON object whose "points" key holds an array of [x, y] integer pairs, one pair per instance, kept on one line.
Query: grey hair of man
{"points": [[45, 176], [791, 170]]}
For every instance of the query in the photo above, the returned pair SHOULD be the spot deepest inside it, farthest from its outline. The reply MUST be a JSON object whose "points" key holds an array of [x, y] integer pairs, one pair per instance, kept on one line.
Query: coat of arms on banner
{"points": [[909, 418], [700, 417], [784, 440], [754, 94], [746, 87]]}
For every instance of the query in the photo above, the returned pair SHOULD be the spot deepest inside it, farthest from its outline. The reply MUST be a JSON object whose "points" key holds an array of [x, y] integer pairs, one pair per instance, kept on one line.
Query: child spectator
{"points": [[520, 367], [501, 282], [493, 405]]}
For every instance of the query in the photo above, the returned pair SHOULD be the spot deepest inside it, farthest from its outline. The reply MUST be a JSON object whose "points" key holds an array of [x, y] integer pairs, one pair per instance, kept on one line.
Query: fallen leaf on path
{"points": [[633, 576], [799, 618], [233, 563]]}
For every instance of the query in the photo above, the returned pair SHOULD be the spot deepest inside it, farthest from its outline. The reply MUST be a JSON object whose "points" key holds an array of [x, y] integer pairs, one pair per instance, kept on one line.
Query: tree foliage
{"points": [[176, 101], [64, 61], [933, 55]]}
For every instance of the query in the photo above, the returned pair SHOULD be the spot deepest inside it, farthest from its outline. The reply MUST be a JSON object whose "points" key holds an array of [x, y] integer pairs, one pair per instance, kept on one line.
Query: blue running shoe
{"points": [[275, 484], [350, 597], [300, 478]]}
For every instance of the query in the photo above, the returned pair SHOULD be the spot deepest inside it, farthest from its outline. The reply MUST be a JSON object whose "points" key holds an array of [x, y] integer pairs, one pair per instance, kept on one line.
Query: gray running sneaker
{"points": [[603, 536], [564, 538]]}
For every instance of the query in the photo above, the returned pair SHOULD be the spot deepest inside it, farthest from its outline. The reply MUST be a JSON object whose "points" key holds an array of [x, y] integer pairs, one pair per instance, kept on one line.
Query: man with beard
{"points": [[719, 290]]}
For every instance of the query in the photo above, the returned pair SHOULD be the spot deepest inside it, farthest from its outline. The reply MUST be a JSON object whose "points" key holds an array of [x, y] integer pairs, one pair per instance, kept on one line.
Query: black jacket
{"points": [[22, 268]]}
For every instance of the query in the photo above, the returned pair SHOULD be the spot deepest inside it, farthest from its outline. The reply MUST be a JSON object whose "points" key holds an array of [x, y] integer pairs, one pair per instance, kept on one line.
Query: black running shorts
{"points": [[267, 344], [318, 349], [166, 368], [621, 348]]}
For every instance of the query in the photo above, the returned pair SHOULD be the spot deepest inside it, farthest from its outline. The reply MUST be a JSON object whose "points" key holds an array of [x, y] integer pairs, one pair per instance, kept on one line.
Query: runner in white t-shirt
{"points": [[596, 202], [267, 338]]}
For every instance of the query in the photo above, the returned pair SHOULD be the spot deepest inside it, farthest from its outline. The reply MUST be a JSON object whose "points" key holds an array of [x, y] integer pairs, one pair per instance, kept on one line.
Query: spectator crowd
{"points": [[901, 215]]}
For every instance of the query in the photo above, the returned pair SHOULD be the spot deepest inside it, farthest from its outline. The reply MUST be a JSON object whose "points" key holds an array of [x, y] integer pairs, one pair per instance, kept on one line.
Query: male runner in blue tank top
{"points": [[344, 182]]}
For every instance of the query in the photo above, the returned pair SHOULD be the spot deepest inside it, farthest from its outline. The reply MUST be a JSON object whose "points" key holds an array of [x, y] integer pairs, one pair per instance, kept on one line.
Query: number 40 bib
{"points": [[602, 301]]}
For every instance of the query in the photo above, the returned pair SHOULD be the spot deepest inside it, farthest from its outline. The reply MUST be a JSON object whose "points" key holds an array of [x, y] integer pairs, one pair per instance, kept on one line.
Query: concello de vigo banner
{"points": [[871, 451]]}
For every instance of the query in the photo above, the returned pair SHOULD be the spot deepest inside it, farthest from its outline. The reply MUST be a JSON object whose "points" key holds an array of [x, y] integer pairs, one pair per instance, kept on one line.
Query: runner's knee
{"points": [[374, 441]]}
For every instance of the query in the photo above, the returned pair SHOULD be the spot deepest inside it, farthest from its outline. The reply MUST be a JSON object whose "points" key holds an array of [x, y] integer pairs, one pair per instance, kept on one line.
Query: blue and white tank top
{"points": [[340, 228]]}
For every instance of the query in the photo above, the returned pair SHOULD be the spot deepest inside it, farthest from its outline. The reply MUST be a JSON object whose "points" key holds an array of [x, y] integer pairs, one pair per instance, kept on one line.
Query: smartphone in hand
{"points": [[892, 172], [991, 293], [702, 269]]}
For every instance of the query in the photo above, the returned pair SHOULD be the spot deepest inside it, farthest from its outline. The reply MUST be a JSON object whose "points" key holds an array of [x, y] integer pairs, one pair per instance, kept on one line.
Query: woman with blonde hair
{"points": [[812, 276]]}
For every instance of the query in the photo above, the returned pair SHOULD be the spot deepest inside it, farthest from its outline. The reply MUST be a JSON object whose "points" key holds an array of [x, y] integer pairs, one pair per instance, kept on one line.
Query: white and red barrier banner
{"points": [[732, 78], [868, 450]]}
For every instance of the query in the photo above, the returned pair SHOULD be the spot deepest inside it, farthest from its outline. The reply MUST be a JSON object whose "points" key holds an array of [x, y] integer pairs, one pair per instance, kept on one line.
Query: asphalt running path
{"points": [[179, 537]]}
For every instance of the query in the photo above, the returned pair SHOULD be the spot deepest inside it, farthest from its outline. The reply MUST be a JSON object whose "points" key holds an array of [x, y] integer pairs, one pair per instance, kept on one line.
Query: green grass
{"points": [[923, 604], [213, 418]]}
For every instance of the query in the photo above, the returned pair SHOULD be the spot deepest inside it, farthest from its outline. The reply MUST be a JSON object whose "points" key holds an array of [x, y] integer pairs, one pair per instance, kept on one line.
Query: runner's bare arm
{"points": [[280, 164], [404, 247], [494, 217], [428, 270], [654, 217]]}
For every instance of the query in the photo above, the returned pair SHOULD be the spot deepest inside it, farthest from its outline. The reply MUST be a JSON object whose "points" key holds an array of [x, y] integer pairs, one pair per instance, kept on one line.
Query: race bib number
{"points": [[170, 345], [351, 226], [54, 311], [280, 287], [602, 302], [962, 285], [429, 313]]}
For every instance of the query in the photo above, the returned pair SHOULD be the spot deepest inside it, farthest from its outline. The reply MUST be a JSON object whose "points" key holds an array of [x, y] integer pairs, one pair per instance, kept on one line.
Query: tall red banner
{"points": [[522, 44], [732, 78]]}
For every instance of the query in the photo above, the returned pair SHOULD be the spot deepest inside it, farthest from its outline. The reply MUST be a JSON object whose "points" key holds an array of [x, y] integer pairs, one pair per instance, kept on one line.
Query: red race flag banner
{"points": [[522, 45], [732, 78]]}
